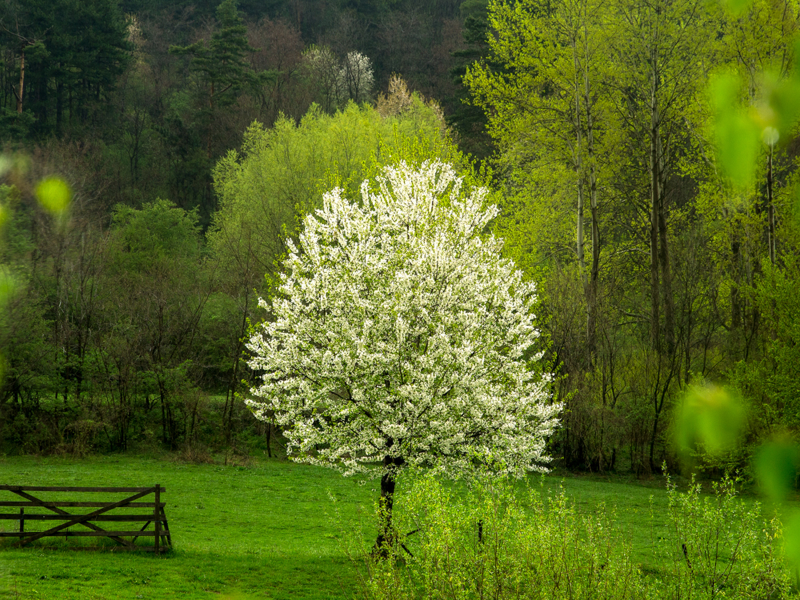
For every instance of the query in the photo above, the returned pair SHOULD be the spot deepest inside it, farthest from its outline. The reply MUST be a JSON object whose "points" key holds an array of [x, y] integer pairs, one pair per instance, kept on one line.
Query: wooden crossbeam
{"points": [[35, 488], [40, 517], [36, 502], [65, 504], [101, 533]]}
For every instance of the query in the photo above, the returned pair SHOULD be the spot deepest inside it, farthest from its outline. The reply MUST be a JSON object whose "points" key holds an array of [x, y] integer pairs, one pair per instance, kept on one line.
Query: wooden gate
{"points": [[162, 540]]}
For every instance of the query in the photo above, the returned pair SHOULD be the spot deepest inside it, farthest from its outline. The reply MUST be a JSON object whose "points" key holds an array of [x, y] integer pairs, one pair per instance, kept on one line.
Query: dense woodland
{"points": [[194, 134]]}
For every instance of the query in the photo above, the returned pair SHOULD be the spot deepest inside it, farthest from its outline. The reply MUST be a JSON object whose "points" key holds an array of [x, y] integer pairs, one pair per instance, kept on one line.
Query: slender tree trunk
{"points": [[387, 536], [578, 156], [655, 303], [591, 325], [655, 287], [580, 233], [163, 414], [21, 90], [736, 302], [230, 395], [770, 210], [589, 282], [666, 276], [656, 413], [660, 273], [59, 107], [653, 437], [591, 167], [660, 391], [594, 275]]}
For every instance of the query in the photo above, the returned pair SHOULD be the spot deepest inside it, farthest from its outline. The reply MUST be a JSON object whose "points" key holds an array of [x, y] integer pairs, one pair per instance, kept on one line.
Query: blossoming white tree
{"points": [[400, 337], [356, 77]]}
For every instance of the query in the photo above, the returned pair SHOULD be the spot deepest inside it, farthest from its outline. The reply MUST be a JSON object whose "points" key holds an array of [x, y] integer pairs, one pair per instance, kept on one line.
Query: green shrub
{"points": [[497, 541], [493, 542], [720, 546]]}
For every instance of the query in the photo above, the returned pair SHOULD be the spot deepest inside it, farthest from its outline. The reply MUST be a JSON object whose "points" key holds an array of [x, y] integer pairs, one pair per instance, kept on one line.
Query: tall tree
{"points": [[401, 338], [466, 118], [154, 310], [659, 49], [546, 104], [221, 63]]}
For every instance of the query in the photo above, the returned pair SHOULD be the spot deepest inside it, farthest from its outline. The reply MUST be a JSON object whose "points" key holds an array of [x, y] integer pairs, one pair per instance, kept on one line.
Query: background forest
{"points": [[193, 135]]}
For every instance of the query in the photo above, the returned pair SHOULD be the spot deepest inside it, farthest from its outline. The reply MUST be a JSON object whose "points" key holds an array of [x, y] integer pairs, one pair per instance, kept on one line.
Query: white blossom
{"points": [[400, 332], [356, 77], [339, 81]]}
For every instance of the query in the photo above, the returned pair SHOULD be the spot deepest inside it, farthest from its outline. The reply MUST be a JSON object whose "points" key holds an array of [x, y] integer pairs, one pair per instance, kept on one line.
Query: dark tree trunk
{"points": [[653, 437], [666, 277], [736, 306], [387, 536], [593, 277], [655, 304], [230, 394]]}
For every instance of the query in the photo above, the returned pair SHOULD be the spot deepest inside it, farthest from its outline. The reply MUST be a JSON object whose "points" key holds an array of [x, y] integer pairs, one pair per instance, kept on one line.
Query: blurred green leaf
{"points": [[785, 102], [709, 417], [776, 466], [738, 135], [54, 194]]}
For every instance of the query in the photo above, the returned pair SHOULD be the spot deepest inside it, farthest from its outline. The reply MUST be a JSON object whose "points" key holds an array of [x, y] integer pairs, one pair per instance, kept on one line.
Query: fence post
{"points": [[157, 517], [22, 520]]}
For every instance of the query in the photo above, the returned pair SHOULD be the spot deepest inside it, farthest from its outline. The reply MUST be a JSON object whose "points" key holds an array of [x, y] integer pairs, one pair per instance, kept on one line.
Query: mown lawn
{"points": [[268, 530]]}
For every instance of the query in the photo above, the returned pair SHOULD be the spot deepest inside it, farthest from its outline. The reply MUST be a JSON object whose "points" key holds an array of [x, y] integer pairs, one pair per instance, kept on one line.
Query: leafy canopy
{"points": [[281, 172], [399, 332]]}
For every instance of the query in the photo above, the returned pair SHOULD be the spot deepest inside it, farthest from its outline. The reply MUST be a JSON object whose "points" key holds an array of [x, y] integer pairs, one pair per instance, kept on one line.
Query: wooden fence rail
{"points": [[162, 540]]}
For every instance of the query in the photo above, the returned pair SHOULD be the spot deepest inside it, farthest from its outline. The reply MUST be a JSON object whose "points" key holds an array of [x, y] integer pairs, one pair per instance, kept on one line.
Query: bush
{"points": [[495, 541], [718, 546]]}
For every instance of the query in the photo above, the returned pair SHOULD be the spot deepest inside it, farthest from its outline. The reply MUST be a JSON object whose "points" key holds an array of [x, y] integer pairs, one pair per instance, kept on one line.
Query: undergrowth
{"points": [[497, 541]]}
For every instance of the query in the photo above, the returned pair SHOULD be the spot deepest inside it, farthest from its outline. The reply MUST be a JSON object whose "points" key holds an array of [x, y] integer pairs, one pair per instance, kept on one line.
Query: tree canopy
{"points": [[400, 334], [400, 337]]}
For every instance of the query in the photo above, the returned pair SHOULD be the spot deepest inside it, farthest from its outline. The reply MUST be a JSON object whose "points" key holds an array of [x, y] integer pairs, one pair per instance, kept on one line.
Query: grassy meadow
{"points": [[266, 530]]}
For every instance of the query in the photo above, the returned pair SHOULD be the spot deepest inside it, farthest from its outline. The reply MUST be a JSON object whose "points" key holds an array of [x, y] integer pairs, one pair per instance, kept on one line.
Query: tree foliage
{"points": [[400, 335]]}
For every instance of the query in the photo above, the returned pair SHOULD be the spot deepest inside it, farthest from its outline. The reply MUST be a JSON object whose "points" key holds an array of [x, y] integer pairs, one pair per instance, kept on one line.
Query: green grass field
{"points": [[268, 530]]}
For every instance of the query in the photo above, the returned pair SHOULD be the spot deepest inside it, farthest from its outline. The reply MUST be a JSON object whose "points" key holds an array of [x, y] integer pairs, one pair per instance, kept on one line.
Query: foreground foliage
{"points": [[496, 541]]}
